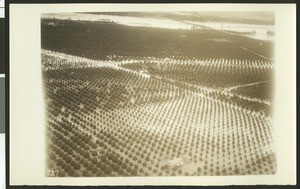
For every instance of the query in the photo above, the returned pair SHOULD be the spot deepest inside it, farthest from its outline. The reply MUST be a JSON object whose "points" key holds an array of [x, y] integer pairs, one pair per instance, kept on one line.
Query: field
{"points": [[140, 101]]}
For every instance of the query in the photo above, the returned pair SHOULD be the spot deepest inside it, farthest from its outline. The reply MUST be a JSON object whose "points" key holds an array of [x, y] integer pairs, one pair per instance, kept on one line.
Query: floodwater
{"points": [[124, 20], [258, 31]]}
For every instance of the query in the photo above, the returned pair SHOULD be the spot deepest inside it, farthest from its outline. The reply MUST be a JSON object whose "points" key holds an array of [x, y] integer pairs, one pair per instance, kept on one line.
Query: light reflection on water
{"points": [[258, 31], [124, 20]]}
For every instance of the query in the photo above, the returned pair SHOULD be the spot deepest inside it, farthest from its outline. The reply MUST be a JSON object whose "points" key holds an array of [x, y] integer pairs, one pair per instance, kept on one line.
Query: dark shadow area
{"points": [[2, 43]]}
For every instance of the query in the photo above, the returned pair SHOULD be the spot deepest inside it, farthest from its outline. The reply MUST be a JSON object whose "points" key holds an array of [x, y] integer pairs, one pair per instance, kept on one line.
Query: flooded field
{"points": [[248, 30], [262, 32], [155, 97]]}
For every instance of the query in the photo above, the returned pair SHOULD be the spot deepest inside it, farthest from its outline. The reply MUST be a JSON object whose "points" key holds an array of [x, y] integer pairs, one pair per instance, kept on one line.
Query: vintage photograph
{"points": [[131, 94]]}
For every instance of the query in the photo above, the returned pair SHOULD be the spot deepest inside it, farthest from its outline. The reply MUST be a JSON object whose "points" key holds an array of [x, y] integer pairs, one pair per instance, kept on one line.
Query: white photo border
{"points": [[27, 132]]}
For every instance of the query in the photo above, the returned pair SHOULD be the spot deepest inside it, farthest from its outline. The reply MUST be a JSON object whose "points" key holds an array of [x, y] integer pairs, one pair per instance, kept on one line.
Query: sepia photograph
{"points": [[163, 94], [158, 93]]}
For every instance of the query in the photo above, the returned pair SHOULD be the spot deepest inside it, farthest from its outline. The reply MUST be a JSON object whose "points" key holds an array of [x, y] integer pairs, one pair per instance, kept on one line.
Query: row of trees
{"points": [[88, 139]]}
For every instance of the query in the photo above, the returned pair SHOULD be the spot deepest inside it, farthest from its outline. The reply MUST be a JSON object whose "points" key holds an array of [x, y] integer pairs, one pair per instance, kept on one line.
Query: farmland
{"points": [[139, 101]]}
